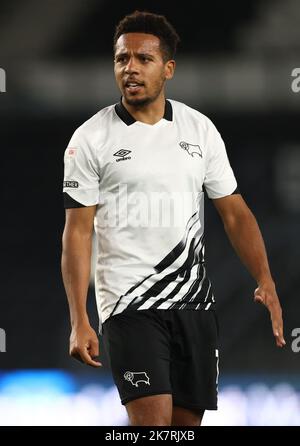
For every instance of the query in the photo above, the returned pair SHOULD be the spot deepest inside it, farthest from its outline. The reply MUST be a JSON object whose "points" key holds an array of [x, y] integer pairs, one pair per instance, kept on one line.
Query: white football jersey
{"points": [[147, 182]]}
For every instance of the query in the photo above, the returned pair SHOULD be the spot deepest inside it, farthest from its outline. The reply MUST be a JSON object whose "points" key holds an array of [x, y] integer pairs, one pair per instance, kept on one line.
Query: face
{"points": [[140, 69]]}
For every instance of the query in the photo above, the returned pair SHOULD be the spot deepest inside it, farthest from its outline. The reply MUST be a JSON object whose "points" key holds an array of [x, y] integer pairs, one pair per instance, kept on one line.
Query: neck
{"points": [[150, 113]]}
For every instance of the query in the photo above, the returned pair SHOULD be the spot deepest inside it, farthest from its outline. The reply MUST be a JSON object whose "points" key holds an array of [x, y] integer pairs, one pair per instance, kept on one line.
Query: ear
{"points": [[169, 69]]}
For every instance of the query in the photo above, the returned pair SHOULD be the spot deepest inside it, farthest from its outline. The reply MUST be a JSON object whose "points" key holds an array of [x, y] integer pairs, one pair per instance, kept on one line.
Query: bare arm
{"points": [[75, 264], [245, 236]]}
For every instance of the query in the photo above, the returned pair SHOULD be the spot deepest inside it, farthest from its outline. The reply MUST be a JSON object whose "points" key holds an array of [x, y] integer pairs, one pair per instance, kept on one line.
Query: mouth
{"points": [[133, 87]]}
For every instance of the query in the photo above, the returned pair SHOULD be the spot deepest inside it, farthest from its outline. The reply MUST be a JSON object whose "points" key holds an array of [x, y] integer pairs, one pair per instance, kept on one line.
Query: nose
{"points": [[131, 66]]}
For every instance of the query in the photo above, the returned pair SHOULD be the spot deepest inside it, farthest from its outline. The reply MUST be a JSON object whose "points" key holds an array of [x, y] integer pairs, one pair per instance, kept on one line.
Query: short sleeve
{"points": [[81, 172], [219, 178]]}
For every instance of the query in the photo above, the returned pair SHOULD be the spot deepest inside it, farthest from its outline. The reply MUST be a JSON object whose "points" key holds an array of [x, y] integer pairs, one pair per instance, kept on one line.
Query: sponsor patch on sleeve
{"points": [[71, 151], [72, 184]]}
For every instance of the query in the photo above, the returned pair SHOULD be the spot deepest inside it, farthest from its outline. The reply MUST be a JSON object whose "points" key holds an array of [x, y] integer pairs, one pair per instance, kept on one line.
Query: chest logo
{"points": [[191, 148], [122, 155]]}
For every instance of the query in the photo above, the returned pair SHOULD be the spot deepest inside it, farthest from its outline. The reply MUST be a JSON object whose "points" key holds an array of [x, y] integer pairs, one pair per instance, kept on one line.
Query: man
{"points": [[138, 169]]}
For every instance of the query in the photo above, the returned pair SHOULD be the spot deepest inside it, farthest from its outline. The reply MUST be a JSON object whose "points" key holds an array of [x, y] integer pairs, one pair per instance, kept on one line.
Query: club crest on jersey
{"points": [[137, 377], [122, 155], [191, 148]]}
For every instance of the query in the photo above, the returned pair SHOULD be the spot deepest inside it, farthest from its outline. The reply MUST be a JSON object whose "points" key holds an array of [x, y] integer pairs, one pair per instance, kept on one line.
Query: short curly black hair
{"points": [[149, 23]]}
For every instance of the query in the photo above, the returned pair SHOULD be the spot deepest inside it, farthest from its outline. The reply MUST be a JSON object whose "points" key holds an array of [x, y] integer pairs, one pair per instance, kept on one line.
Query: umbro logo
{"points": [[191, 148], [122, 155]]}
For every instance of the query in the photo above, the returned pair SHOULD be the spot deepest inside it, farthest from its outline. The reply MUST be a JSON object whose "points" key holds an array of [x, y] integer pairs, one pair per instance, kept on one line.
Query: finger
{"points": [[277, 325], [83, 356], [259, 299], [279, 338], [93, 349], [88, 359], [280, 342], [259, 296]]}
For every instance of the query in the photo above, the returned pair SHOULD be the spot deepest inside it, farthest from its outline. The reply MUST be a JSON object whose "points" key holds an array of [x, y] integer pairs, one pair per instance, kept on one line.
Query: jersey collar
{"points": [[126, 117]]}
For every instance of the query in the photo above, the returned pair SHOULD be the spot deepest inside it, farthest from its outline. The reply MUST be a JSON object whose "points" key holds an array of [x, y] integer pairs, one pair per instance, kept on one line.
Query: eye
{"points": [[120, 59]]}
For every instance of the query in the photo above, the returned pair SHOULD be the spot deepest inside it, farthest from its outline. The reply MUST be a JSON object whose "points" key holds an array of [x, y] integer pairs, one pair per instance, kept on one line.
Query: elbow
{"points": [[237, 220], [74, 237]]}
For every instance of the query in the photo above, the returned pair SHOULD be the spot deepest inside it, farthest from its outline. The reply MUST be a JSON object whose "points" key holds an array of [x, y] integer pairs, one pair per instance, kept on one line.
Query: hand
{"points": [[84, 345], [266, 295]]}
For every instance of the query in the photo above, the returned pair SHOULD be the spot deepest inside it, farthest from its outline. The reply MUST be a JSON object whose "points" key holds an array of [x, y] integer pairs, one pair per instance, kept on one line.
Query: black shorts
{"points": [[165, 351]]}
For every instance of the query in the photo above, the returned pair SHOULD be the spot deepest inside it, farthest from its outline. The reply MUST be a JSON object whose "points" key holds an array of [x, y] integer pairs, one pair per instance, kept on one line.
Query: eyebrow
{"points": [[125, 53]]}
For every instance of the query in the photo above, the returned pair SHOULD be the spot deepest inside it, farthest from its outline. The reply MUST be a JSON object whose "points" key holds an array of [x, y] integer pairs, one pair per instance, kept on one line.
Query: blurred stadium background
{"points": [[235, 65]]}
